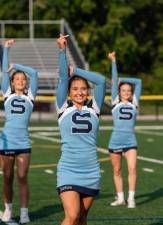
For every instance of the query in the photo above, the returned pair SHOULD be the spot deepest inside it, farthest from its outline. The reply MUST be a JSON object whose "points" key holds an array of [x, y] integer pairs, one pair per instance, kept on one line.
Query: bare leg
{"points": [[116, 163], [85, 205], [71, 204], [8, 176], [22, 162], [131, 157]]}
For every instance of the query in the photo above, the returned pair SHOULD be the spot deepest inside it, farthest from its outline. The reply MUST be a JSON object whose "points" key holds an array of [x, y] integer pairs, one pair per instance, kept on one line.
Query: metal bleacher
{"points": [[42, 55]]}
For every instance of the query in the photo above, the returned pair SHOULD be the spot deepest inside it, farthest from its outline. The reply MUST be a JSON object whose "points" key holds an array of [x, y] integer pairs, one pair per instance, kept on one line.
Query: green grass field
{"points": [[45, 207]]}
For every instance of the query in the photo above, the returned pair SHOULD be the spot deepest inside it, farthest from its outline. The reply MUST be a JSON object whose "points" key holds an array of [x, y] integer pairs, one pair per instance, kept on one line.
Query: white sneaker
{"points": [[117, 203], [131, 204], [7, 215], [24, 218]]}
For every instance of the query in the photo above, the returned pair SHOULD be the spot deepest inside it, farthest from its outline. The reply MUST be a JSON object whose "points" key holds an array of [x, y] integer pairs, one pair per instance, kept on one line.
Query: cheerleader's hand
{"points": [[62, 41], [112, 56], [10, 67], [70, 70], [9, 43]]}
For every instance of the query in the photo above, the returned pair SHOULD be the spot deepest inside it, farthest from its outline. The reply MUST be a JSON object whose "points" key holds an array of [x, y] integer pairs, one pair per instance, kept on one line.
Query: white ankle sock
{"points": [[120, 196], [23, 211], [8, 206], [131, 195]]}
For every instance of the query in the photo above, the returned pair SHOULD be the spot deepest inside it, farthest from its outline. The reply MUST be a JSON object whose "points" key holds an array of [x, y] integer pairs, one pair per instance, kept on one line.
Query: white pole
{"points": [[31, 27]]}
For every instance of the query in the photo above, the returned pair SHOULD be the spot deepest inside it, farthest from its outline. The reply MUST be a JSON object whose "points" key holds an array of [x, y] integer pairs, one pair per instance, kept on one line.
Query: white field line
{"points": [[148, 170], [56, 128], [150, 140], [38, 136], [102, 150], [105, 151], [150, 160], [151, 127], [139, 127], [48, 171], [150, 133], [48, 133]]}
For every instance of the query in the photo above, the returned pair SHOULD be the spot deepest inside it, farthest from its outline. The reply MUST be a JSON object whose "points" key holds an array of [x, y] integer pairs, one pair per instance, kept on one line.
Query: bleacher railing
{"points": [[63, 28], [73, 45]]}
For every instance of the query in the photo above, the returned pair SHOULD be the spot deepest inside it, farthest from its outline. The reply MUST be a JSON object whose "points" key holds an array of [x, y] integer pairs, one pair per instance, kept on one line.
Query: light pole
{"points": [[31, 27]]}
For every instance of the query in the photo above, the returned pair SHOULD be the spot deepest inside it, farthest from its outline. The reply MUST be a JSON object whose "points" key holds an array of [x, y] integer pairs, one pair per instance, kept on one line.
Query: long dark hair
{"points": [[128, 83], [12, 79]]}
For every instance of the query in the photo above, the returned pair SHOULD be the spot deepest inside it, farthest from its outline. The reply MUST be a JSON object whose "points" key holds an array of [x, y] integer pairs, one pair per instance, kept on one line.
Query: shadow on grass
{"points": [[157, 223], [42, 213], [150, 196]]}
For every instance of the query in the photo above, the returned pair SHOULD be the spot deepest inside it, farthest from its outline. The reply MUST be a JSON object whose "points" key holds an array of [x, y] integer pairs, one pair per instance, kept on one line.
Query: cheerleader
{"points": [[78, 172], [125, 101], [15, 146]]}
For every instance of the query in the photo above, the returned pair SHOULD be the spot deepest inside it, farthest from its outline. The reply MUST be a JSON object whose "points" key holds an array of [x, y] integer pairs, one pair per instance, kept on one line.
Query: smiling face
{"points": [[78, 92], [19, 82], [125, 92]]}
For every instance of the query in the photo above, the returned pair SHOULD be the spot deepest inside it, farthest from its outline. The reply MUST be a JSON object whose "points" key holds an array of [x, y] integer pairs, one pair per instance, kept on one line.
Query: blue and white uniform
{"points": [[78, 168], [124, 114], [14, 138], [1, 55]]}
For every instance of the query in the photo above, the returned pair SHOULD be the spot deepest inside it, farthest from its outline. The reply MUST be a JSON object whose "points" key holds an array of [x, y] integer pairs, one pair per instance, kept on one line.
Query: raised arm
{"points": [[98, 80], [137, 87], [32, 73], [5, 64], [1, 55], [62, 89], [114, 87]]}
